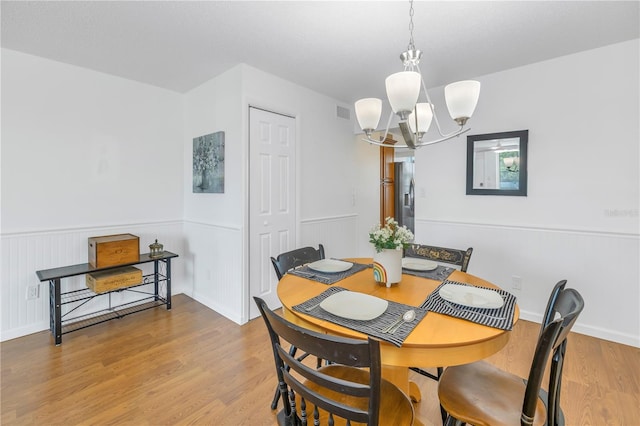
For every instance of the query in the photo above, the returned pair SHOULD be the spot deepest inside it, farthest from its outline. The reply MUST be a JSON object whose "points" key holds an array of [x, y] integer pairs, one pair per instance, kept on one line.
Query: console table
{"points": [[60, 323]]}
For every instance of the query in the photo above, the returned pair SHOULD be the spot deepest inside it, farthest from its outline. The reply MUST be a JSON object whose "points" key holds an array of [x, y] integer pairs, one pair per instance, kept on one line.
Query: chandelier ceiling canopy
{"points": [[403, 92]]}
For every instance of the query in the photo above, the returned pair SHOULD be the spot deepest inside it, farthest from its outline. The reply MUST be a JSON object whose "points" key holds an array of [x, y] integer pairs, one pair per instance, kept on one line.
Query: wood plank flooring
{"points": [[191, 366]]}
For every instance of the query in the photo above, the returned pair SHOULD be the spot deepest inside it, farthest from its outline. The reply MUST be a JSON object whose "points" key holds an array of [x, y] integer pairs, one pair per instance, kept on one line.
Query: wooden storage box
{"points": [[114, 250], [113, 279]]}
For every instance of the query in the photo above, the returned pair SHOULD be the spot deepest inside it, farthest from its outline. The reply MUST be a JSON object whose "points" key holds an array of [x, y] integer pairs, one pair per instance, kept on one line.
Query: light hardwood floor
{"points": [[190, 365]]}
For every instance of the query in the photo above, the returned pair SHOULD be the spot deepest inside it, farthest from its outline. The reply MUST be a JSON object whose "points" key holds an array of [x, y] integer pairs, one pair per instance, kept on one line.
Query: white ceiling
{"points": [[343, 49]]}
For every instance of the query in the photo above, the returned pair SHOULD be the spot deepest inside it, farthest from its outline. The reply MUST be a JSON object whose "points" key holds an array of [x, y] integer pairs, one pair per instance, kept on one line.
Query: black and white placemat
{"points": [[372, 327], [326, 277], [441, 273], [501, 318]]}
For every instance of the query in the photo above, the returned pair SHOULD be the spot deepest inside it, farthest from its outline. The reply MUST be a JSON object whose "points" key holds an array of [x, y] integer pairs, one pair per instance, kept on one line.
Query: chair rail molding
{"points": [[532, 228], [214, 225]]}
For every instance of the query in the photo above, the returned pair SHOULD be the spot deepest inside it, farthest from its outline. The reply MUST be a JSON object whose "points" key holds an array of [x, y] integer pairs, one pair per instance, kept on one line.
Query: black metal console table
{"points": [[66, 323]]}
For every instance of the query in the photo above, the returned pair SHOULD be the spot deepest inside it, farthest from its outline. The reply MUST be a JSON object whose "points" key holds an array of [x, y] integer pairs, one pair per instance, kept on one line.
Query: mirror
{"points": [[497, 163]]}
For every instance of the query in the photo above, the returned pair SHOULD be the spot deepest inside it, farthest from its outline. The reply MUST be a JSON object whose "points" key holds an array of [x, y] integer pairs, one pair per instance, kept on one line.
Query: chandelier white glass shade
{"points": [[403, 89], [421, 124], [368, 113], [512, 163], [462, 98], [403, 92]]}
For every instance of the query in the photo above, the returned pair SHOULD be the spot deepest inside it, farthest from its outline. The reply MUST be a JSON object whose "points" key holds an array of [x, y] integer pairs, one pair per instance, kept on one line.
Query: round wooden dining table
{"points": [[437, 341]]}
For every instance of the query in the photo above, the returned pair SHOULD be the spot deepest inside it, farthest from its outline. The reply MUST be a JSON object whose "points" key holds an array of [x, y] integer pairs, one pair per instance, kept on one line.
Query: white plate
{"points": [[471, 296], [415, 264], [330, 265], [354, 305]]}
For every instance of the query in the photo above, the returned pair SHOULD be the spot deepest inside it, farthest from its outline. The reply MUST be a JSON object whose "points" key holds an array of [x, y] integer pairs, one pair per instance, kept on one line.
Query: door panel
{"points": [[284, 183], [265, 263], [271, 200], [265, 184]]}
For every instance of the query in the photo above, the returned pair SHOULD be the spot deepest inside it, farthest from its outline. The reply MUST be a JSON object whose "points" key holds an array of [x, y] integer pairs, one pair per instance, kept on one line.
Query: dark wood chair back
{"points": [[562, 311], [332, 389], [283, 263], [295, 258], [456, 257], [452, 256], [481, 393]]}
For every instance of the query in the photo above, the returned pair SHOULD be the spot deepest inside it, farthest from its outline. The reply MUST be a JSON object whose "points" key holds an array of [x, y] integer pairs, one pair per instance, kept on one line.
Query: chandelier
{"points": [[403, 92]]}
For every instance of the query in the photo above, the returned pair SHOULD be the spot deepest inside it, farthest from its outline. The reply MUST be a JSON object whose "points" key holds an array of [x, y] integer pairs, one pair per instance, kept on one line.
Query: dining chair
{"points": [[283, 263], [350, 389], [482, 394], [452, 256], [294, 258]]}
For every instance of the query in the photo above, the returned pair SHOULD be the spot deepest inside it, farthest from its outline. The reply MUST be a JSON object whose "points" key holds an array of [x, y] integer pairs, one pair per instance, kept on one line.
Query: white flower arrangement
{"points": [[390, 236]]}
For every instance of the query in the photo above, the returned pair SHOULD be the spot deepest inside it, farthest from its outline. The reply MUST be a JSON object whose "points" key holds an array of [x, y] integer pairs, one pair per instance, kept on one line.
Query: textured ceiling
{"points": [[340, 48]]}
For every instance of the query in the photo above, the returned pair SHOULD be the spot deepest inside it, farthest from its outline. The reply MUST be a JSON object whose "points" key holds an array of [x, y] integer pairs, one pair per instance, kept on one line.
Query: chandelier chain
{"points": [[411, 44]]}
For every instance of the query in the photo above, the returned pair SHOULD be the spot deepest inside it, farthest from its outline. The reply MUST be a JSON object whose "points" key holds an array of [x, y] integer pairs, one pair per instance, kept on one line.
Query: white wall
{"points": [[76, 143], [580, 218], [81, 148], [217, 224], [83, 154], [326, 154], [214, 223], [216, 106]]}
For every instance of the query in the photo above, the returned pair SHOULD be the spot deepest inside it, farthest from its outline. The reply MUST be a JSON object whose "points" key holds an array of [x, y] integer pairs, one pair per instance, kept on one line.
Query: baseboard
{"points": [[597, 332], [14, 333], [221, 309]]}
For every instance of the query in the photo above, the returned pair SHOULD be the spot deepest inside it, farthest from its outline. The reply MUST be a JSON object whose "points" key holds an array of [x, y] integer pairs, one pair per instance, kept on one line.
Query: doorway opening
{"points": [[397, 183]]}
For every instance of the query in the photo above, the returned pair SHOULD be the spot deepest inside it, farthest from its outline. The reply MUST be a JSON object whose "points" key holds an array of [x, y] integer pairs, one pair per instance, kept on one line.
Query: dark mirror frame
{"points": [[523, 135]]}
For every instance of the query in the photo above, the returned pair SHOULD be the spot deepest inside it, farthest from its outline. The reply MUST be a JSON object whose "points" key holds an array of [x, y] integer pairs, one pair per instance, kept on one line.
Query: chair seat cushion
{"points": [[482, 394], [395, 406]]}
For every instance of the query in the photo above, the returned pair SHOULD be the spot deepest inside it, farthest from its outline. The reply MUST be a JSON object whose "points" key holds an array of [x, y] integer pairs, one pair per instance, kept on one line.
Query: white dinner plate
{"points": [[471, 296], [415, 264], [354, 305], [330, 265]]}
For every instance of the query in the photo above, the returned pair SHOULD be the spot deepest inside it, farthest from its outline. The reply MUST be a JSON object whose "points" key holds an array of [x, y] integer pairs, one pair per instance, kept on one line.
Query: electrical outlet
{"points": [[516, 282], [33, 292]]}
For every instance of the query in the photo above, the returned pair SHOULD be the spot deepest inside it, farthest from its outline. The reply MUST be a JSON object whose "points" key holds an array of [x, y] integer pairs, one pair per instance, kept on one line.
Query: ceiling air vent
{"points": [[343, 112]]}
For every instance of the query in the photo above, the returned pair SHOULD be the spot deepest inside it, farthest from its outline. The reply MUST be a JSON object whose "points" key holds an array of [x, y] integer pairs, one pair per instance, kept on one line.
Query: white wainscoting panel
{"points": [[25, 253], [602, 266], [338, 235], [214, 259]]}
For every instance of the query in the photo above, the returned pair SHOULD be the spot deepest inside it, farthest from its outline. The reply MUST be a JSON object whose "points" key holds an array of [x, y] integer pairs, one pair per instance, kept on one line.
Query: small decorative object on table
{"points": [[389, 240], [156, 250]]}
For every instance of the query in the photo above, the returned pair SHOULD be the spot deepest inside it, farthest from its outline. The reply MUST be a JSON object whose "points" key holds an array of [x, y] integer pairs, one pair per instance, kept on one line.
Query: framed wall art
{"points": [[208, 163]]}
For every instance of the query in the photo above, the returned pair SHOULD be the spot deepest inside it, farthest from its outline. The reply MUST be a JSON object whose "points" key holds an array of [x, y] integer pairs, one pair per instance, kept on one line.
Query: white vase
{"points": [[387, 266]]}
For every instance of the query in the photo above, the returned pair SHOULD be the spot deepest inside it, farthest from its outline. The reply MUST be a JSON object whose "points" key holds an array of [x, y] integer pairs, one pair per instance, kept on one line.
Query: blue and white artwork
{"points": [[208, 163]]}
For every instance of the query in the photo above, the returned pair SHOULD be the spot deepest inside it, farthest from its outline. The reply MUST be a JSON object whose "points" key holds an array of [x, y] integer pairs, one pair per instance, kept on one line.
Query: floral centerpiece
{"points": [[390, 236], [389, 240]]}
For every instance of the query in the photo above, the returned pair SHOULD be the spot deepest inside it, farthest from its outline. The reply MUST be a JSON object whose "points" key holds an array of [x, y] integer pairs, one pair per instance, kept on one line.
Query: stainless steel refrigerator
{"points": [[405, 193]]}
